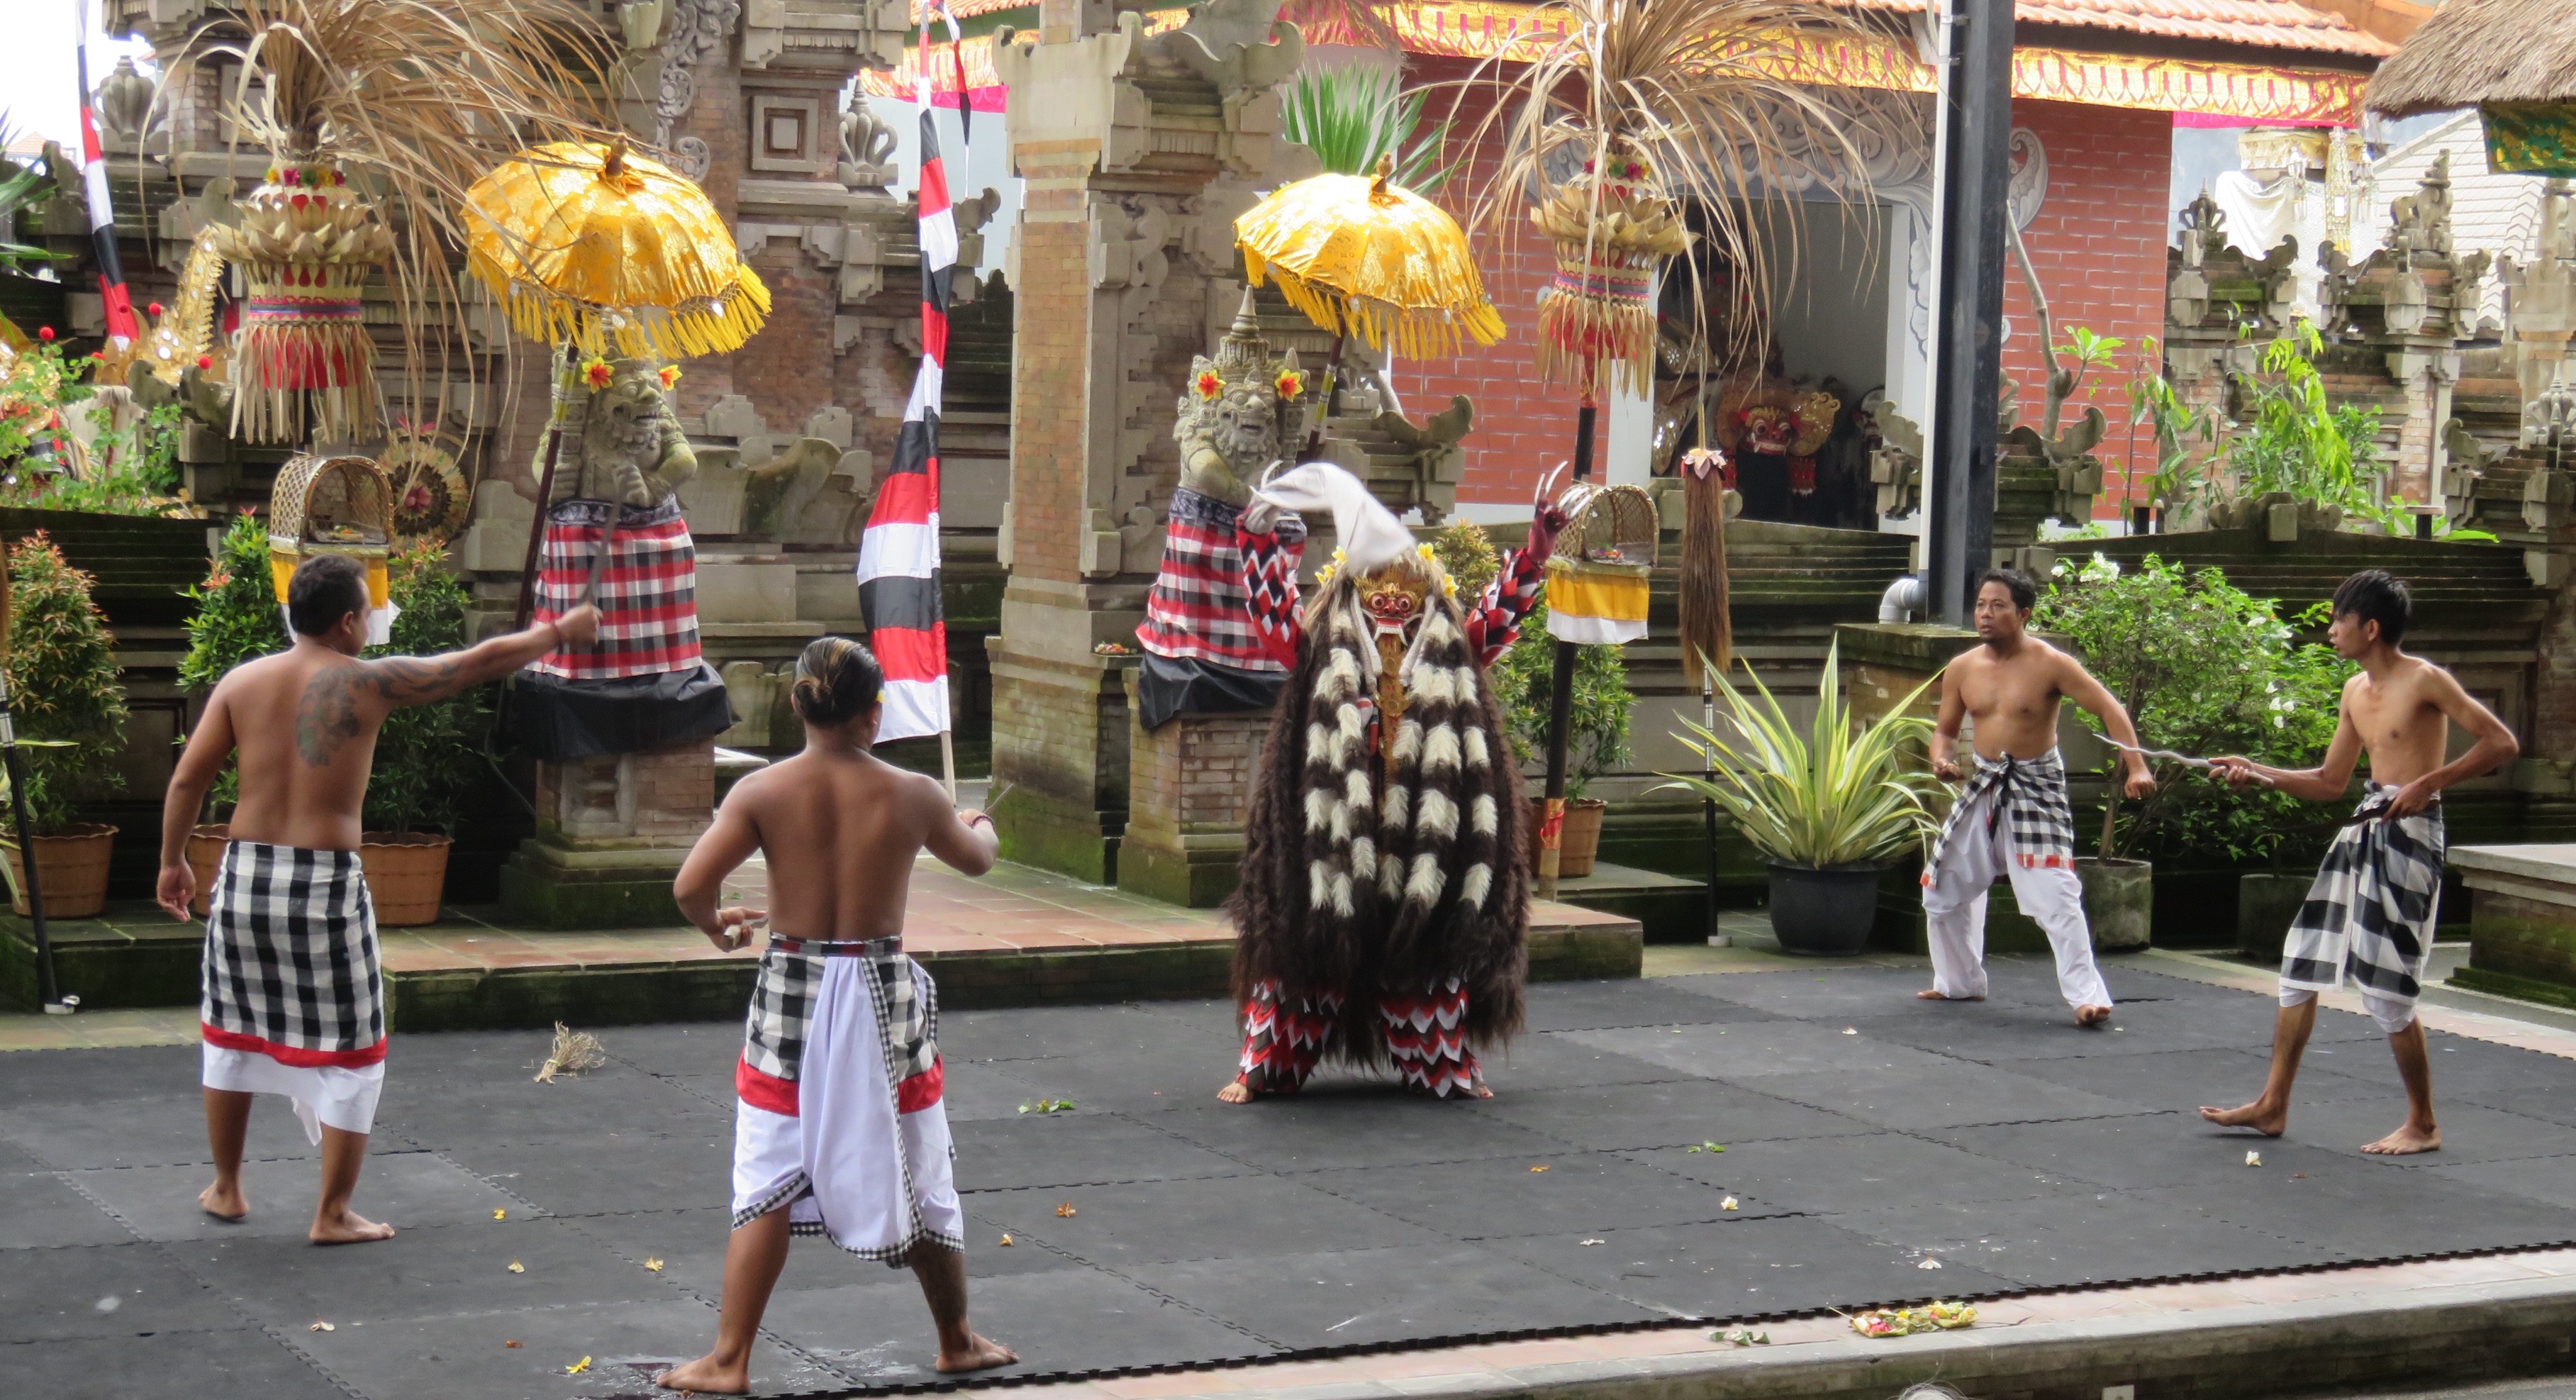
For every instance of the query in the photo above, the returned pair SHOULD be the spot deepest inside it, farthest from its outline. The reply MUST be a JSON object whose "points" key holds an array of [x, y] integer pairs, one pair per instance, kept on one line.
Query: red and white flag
{"points": [[899, 552], [102, 214]]}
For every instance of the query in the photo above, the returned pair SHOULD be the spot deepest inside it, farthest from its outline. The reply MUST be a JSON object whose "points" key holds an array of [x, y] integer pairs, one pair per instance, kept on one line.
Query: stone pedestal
{"points": [[1189, 797], [1060, 726], [2522, 921], [611, 834]]}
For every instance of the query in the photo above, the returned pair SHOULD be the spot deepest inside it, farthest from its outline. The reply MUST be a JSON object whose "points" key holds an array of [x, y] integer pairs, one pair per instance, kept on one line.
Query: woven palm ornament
{"points": [[305, 243], [594, 247], [1364, 254], [1612, 227]]}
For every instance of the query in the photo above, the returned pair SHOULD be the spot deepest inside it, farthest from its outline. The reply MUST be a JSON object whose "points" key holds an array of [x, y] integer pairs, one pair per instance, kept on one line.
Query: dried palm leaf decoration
{"points": [[362, 105], [1614, 114]]}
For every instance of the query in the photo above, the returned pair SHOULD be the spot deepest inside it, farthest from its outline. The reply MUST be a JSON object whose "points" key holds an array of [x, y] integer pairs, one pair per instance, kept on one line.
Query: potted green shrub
{"points": [[63, 691], [1828, 812], [236, 621], [2202, 668], [425, 754], [1596, 732]]}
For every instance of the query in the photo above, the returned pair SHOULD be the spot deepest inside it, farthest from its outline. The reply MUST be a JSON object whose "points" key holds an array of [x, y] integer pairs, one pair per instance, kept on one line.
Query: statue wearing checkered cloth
{"points": [[644, 683]]}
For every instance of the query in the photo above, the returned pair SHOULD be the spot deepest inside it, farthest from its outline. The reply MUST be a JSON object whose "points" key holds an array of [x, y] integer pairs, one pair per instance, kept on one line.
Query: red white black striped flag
{"points": [[102, 214], [899, 552]]}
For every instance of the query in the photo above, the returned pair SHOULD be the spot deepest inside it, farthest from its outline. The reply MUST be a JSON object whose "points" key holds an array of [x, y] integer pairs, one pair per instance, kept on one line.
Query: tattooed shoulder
{"points": [[326, 717]]}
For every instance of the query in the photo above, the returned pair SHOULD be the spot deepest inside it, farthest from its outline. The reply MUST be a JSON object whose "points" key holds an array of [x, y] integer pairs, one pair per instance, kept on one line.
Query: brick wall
{"points": [[1195, 774], [2099, 246], [2098, 243]]}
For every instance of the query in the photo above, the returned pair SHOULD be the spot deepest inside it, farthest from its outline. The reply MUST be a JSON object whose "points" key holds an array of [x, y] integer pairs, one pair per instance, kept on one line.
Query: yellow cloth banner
{"points": [[281, 571], [1596, 604]]}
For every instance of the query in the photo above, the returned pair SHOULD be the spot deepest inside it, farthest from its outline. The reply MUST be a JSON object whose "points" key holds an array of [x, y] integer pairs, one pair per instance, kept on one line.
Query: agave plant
{"points": [[1350, 116], [21, 188], [1839, 796]]}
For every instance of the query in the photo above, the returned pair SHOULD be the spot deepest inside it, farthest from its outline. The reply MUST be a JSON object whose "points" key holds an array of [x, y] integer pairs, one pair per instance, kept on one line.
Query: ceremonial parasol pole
{"points": [[1560, 699], [46, 991]]}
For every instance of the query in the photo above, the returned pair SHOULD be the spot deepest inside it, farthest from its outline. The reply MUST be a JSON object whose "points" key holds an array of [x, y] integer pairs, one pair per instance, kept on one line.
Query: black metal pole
{"points": [[1560, 699], [1967, 381]]}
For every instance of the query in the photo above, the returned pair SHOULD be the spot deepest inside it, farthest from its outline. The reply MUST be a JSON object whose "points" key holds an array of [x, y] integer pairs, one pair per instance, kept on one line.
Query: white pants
{"points": [[323, 1095], [1954, 912]]}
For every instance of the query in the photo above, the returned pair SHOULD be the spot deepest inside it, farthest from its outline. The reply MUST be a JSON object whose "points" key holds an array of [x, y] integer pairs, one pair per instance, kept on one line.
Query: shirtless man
{"points": [[2014, 817], [821, 1144], [293, 999], [2369, 916]]}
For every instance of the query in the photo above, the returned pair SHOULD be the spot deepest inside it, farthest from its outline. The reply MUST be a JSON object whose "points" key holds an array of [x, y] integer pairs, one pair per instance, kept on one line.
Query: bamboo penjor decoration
{"points": [[1614, 115], [366, 106]]}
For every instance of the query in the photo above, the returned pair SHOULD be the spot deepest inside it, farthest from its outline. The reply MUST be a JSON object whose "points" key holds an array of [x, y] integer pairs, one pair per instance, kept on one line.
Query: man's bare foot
{"points": [[980, 1353], [348, 1228], [228, 1206], [2406, 1141], [1936, 994], [708, 1375], [2258, 1115], [1236, 1092], [2091, 1016]]}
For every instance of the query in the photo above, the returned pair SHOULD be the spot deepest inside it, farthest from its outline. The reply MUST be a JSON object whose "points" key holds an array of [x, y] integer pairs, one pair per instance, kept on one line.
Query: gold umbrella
{"points": [[1362, 253], [589, 245]]}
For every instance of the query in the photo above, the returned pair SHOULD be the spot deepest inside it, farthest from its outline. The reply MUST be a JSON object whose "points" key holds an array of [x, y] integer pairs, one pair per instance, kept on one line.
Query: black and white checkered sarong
{"points": [[783, 996], [2369, 916], [2030, 793], [291, 968]]}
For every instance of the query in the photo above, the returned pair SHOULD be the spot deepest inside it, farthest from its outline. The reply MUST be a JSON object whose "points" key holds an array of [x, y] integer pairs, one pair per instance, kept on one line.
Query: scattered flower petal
{"points": [[1064, 1211], [1851, 1030], [1589, 1243], [500, 1215], [1006, 1241], [1540, 1168], [654, 1264], [510, 1344], [1727, 1204], [517, 1268], [1929, 1264], [577, 1367], [321, 1327], [2253, 1159]]}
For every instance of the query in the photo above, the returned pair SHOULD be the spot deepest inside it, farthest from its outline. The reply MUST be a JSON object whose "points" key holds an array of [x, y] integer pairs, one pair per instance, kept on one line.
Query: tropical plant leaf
{"points": [[1351, 116]]}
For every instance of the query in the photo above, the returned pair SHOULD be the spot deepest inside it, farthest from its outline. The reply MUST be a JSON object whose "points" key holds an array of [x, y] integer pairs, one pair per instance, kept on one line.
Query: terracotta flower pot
{"points": [[1578, 845], [405, 876], [206, 859], [72, 867]]}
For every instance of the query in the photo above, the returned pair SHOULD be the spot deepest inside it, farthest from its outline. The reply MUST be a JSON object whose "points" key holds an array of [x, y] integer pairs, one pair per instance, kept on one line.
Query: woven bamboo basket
{"points": [[1600, 576], [330, 505]]}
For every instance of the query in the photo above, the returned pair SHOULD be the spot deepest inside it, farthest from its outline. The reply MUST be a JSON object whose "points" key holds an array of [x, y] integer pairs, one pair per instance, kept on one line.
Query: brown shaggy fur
{"points": [[1392, 938]]}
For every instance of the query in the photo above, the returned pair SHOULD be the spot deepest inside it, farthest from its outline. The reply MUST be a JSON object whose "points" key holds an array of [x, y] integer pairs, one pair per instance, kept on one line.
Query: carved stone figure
{"points": [[1238, 411], [621, 442], [867, 146]]}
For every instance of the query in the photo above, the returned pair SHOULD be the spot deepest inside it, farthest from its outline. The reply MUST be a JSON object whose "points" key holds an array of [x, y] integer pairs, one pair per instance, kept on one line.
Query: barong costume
{"points": [[292, 996], [841, 1117], [1384, 907], [2368, 919], [2014, 820]]}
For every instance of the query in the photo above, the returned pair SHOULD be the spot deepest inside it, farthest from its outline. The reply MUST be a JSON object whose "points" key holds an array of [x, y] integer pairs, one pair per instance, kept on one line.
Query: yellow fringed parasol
{"points": [[1362, 254], [589, 245]]}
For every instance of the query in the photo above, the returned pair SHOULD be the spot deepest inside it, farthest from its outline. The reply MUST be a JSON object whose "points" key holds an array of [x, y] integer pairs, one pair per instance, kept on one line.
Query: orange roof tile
{"points": [[2279, 24]]}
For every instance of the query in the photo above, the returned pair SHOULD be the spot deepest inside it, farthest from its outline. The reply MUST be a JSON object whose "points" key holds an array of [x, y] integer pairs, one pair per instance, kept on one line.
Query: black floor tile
{"points": [[2548, 1180], [237, 1361], [110, 1290], [1059, 1323], [164, 1130], [1532, 1062], [2059, 1240], [2166, 1149], [1944, 1095], [1324, 1131], [2470, 1133], [1077, 1149], [425, 1271], [2384, 1211], [79, 1078], [467, 1353], [2176, 1081], [691, 1245], [1214, 1217], [39, 1210], [1747, 1268], [472, 1108], [396, 1188], [1504, 1197], [1585, 1006], [604, 1173], [1382, 1295], [1831, 1174], [1133, 1029], [1762, 1049], [1680, 1112]]}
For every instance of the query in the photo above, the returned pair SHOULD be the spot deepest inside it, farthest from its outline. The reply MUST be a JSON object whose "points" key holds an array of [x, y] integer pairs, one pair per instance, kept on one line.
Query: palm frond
{"points": [[1724, 98], [1842, 794], [1351, 116]]}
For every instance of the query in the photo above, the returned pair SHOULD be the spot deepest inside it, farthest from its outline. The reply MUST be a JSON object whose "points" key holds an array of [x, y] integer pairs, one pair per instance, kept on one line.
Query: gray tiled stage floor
{"points": [[1865, 1134]]}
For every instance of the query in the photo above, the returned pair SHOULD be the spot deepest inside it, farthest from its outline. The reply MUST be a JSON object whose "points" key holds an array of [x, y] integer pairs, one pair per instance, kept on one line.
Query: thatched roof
{"points": [[2474, 51]]}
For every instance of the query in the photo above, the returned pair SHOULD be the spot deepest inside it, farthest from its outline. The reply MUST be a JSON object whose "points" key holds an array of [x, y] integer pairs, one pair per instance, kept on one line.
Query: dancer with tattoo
{"points": [[293, 1000]]}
